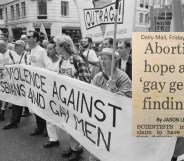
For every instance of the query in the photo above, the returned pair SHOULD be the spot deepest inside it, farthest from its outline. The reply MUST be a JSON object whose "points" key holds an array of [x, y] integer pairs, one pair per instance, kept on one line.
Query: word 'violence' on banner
{"points": [[100, 120], [158, 84]]}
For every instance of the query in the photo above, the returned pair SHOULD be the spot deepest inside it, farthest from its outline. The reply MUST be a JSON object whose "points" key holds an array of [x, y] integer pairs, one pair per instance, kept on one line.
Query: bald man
{"points": [[6, 57]]}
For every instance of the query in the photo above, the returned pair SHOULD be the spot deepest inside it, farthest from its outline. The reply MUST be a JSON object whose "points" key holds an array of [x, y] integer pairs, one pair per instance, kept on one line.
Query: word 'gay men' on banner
{"points": [[97, 18], [100, 120]]}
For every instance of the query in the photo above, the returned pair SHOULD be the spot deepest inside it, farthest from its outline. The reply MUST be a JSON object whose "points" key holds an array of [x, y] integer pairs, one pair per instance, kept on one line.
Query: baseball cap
{"points": [[20, 42], [23, 37]]}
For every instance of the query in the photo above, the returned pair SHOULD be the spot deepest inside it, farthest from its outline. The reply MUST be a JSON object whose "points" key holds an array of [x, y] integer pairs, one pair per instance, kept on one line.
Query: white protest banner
{"points": [[97, 18], [100, 120]]}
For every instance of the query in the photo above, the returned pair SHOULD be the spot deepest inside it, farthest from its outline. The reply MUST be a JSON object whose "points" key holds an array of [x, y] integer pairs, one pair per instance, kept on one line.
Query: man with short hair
{"points": [[7, 57], [53, 65], [37, 58], [17, 110], [45, 43], [89, 54], [125, 61], [108, 42]]}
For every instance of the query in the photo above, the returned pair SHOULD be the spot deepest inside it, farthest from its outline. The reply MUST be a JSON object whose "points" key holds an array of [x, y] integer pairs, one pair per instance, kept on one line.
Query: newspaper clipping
{"points": [[158, 84]]}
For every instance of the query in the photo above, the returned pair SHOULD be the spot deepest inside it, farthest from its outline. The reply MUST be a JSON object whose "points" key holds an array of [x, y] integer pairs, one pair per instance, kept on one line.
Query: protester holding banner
{"points": [[53, 66], [125, 61], [7, 57], [17, 110], [4, 37], [120, 83], [73, 66], [38, 58]]}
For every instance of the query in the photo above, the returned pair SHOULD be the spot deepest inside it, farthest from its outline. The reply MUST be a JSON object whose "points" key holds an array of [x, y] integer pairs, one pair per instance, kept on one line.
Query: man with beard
{"points": [[90, 55]]}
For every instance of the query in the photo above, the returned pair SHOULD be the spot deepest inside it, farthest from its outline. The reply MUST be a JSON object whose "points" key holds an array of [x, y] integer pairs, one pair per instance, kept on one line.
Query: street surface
{"points": [[17, 145]]}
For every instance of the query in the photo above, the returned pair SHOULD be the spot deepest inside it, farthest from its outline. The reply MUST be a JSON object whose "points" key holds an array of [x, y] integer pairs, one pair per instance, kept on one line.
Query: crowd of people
{"points": [[83, 61]]}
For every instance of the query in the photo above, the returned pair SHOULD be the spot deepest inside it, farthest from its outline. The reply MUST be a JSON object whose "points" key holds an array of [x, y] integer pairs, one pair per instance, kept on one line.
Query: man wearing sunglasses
{"points": [[37, 58]]}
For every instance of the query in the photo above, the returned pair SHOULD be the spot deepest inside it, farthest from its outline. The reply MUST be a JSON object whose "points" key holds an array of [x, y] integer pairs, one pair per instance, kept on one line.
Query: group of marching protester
{"points": [[82, 61]]}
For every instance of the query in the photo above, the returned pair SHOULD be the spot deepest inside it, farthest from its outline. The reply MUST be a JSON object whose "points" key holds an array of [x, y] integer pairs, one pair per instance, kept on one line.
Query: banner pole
{"points": [[114, 38]]}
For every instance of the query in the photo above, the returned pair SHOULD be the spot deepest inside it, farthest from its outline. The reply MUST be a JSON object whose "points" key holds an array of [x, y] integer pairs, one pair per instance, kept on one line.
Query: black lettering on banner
{"points": [[54, 92], [79, 122], [6, 88], [78, 96], [106, 15], [64, 113], [29, 77], [101, 111], [60, 93], [87, 124], [26, 75], [114, 113], [22, 88], [1, 72], [89, 110], [108, 143], [37, 99], [52, 103], [111, 16], [42, 83], [2, 85], [97, 16], [71, 99]]}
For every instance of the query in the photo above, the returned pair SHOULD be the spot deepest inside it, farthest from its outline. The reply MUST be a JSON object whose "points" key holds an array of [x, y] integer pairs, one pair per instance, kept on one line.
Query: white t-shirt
{"points": [[38, 57], [53, 66], [91, 56], [123, 64], [7, 60], [67, 68]]}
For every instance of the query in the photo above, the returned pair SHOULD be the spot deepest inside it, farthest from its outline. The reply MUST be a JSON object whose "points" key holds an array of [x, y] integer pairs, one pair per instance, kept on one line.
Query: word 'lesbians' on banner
{"points": [[158, 84]]}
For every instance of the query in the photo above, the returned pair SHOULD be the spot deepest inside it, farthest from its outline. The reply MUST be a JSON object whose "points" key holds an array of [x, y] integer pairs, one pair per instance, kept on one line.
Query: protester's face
{"points": [[4, 38], [30, 39], [2, 48], [18, 49], [106, 44], [51, 51], [85, 43], [106, 61], [59, 49], [121, 49], [45, 44], [100, 47]]}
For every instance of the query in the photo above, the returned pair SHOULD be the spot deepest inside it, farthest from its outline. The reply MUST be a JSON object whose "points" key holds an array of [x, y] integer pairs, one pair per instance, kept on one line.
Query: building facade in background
{"points": [[60, 16], [57, 16]]}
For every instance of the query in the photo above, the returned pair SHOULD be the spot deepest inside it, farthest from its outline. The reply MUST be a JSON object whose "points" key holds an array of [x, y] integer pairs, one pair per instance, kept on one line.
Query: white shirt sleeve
{"points": [[92, 56], [45, 58]]}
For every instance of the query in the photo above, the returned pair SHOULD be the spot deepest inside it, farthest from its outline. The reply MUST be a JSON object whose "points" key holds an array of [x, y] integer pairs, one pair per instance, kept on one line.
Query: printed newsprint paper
{"points": [[158, 84]]}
